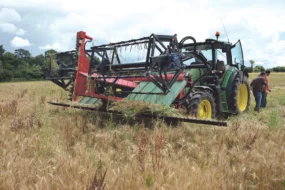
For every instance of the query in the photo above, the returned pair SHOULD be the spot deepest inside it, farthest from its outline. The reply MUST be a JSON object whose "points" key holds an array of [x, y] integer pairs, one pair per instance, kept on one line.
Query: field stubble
{"points": [[45, 147]]}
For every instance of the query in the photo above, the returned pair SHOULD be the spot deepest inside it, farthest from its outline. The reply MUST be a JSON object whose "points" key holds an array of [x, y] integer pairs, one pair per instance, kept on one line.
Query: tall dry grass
{"points": [[46, 147]]}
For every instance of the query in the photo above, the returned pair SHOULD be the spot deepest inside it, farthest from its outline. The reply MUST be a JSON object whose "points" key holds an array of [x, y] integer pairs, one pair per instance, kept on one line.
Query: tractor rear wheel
{"points": [[202, 105], [240, 96]]}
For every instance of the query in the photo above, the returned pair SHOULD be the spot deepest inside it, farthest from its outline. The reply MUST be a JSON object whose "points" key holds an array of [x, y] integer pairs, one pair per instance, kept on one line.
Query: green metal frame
{"points": [[149, 87]]}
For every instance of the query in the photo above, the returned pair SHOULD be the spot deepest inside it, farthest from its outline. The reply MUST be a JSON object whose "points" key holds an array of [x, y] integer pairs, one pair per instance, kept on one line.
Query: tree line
{"points": [[259, 68], [22, 66]]}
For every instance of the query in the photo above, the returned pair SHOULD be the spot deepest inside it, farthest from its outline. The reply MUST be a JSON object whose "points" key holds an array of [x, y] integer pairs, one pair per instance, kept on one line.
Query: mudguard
{"points": [[226, 86]]}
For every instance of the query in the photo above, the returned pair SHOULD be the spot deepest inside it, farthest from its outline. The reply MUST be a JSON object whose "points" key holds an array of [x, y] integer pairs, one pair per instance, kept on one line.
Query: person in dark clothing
{"points": [[266, 90], [258, 85]]}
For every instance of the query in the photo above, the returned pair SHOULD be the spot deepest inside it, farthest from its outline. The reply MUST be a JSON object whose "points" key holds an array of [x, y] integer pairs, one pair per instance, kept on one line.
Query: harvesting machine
{"points": [[206, 79]]}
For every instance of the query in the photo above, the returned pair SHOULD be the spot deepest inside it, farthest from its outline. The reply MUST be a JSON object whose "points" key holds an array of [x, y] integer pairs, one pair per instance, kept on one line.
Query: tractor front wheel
{"points": [[201, 105]]}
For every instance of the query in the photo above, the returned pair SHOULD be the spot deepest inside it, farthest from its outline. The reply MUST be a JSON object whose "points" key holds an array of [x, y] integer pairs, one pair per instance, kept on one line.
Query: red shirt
{"points": [[266, 89]]}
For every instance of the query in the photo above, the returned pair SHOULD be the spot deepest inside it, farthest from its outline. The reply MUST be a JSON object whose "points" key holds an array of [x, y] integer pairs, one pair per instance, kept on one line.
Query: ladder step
{"points": [[92, 101], [84, 100]]}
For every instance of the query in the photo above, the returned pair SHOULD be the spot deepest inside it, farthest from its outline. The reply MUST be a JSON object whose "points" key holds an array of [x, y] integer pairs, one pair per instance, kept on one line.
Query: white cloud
{"points": [[20, 32], [31, 4], [258, 25], [55, 46], [259, 63], [18, 42], [9, 15], [279, 60], [256, 31], [8, 28], [101, 7], [127, 22], [11, 29], [259, 33]]}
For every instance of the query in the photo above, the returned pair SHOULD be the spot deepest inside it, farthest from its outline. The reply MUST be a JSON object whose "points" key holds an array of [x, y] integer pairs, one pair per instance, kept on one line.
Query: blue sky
{"points": [[40, 25]]}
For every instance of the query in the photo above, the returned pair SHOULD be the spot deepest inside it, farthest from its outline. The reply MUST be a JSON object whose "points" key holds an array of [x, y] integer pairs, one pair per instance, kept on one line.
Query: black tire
{"points": [[204, 99], [238, 105]]}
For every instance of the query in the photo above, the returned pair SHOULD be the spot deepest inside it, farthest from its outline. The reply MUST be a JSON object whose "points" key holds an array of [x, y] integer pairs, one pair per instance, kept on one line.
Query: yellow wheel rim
{"points": [[242, 98], [205, 110]]}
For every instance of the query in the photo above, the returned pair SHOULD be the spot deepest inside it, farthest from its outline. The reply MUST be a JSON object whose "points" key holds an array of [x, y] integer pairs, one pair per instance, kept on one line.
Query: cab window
{"points": [[237, 55]]}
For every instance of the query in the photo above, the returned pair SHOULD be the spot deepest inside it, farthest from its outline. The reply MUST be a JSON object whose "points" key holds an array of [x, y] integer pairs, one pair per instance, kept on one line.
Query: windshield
{"points": [[204, 49], [207, 54]]}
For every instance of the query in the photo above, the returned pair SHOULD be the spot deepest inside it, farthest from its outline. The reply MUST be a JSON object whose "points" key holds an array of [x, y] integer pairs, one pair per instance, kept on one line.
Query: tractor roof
{"points": [[207, 44]]}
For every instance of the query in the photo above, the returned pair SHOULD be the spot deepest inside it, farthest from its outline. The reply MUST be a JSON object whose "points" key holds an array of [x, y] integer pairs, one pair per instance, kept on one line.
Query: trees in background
{"points": [[252, 64], [22, 66], [6, 67], [279, 69], [258, 68]]}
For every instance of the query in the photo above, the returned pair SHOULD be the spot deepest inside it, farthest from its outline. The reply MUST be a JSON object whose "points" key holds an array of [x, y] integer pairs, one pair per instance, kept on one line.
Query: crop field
{"points": [[48, 147]]}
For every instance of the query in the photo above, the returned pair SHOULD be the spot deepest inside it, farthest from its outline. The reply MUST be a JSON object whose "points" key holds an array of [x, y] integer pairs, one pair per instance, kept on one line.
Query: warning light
{"points": [[217, 34]]}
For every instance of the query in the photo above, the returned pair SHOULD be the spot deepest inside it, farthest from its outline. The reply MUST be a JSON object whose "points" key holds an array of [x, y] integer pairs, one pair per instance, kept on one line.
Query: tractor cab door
{"points": [[237, 56]]}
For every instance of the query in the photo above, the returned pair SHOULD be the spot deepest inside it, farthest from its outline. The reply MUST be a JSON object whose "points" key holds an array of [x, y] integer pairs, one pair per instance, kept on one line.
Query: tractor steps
{"points": [[89, 100]]}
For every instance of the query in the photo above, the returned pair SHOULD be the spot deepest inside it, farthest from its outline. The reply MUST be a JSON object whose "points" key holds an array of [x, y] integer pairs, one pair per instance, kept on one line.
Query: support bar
{"points": [[166, 118]]}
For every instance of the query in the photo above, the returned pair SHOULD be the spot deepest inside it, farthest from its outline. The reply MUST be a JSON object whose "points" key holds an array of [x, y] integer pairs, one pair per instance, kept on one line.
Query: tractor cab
{"points": [[218, 54]]}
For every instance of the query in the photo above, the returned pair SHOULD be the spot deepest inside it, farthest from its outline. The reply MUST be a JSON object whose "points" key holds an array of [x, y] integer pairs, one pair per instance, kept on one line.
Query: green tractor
{"points": [[220, 87]]}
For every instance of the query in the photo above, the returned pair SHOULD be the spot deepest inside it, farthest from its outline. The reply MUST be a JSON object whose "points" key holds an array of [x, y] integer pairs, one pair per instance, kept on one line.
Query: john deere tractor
{"points": [[221, 85]]}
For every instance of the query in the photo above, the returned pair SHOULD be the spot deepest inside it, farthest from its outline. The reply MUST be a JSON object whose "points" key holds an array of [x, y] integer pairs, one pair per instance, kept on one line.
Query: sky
{"points": [[39, 25]]}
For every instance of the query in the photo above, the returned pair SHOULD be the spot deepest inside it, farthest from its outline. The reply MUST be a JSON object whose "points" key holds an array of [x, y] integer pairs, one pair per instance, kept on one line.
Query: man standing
{"points": [[266, 90], [258, 85]]}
